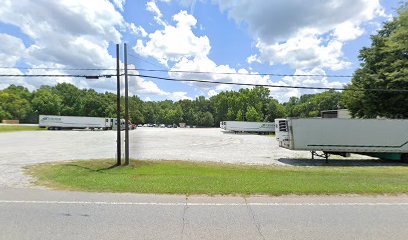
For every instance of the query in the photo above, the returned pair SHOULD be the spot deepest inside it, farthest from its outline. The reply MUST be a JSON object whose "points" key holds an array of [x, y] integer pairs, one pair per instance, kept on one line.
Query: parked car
{"points": [[162, 125]]}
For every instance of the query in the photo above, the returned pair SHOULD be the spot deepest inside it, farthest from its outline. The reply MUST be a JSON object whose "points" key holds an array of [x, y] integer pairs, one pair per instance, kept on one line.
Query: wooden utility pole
{"points": [[118, 125], [126, 108]]}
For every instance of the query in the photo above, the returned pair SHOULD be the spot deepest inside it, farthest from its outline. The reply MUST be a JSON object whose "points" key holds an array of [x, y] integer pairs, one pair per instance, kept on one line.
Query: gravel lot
{"points": [[19, 149]]}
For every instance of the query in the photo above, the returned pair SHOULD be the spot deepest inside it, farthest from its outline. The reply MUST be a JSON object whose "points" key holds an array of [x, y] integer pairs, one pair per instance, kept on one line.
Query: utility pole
{"points": [[118, 125], [126, 109]]}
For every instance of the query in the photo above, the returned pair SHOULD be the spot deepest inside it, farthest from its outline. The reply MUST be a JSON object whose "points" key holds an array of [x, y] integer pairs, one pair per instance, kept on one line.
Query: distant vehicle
{"points": [[382, 138], [145, 125], [139, 125], [53, 122], [252, 127], [162, 125], [169, 126]]}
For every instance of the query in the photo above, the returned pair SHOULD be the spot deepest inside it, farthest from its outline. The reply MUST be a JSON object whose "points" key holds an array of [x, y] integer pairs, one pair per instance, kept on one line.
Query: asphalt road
{"points": [[43, 214]]}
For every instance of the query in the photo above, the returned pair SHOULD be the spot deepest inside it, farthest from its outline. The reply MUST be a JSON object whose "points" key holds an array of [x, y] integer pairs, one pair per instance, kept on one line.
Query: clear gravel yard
{"points": [[19, 149]]}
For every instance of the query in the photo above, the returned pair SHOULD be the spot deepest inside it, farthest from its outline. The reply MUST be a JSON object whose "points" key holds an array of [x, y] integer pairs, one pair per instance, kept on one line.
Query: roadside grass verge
{"points": [[16, 128], [177, 177]]}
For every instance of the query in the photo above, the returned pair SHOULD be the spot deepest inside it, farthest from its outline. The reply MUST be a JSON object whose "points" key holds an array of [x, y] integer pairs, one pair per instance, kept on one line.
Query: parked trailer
{"points": [[382, 138], [75, 122], [255, 127]]}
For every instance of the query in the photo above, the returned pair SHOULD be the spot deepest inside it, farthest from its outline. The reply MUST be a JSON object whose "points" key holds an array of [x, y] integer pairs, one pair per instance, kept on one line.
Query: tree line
{"points": [[256, 104], [384, 65]]}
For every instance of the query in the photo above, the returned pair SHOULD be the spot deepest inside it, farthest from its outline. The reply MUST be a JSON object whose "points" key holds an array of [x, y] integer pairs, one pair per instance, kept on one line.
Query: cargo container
{"points": [[381, 138]]}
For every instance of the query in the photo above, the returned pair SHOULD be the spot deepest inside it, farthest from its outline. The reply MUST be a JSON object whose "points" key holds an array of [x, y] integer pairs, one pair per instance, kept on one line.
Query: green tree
{"points": [[384, 66], [13, 106], [205, 119], [240, 116], [46, 102], [252, 115]]}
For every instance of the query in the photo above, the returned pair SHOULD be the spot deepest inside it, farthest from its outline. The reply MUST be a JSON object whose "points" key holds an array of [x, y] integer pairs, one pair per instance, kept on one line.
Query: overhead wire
{"points": [[144, 60], [204, 81], [268, 85], [240, 73], [59, 75], [60, 68]]}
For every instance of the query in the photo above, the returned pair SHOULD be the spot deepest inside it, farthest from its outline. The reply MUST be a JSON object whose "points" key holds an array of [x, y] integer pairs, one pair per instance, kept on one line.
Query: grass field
{"points": [[175, 177], [16, 128]]}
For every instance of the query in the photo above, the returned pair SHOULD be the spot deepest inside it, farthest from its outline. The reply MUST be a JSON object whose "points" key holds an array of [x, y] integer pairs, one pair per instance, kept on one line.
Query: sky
{"points": [[289, 37]]}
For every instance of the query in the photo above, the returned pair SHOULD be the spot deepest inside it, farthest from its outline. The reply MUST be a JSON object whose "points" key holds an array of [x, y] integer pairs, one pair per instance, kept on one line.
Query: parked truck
{"points": [[254, 127], [53, 122], [381, 138]]}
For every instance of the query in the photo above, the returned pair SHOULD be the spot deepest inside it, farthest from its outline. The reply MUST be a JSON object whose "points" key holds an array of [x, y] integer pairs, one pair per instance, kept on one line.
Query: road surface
{"points": [[44, 214]]}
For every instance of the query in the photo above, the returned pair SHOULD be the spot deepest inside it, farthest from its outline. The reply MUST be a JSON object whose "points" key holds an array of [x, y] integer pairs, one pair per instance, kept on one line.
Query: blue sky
{"points": [[247, 36]]}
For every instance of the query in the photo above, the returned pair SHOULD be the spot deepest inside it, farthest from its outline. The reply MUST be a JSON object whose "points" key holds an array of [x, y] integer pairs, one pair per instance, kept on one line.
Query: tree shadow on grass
{"points": [[92, 169], [341, 162]]}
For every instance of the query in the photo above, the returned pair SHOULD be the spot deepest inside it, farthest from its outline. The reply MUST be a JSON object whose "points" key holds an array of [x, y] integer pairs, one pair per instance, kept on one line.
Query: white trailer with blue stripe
{"points": [[382, 138], [250, 127], [53, 122]]}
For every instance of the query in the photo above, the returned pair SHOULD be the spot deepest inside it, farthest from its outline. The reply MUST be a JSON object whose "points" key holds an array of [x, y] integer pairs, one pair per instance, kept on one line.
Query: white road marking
{"points": [[206, 204]]}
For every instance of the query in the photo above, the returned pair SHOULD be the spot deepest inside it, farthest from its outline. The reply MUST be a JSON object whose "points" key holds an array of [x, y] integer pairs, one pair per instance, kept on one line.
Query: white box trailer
{"points": [[382, 138], [241, 126], [53, 122]]}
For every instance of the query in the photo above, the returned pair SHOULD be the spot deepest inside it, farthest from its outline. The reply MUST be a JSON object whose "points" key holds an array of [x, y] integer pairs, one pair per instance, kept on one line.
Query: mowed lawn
{"points": [[16, 128], [175, 177]]}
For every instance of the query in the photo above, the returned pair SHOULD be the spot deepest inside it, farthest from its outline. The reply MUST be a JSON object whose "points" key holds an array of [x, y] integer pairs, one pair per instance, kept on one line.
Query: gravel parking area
{"points": [[19, 149]]}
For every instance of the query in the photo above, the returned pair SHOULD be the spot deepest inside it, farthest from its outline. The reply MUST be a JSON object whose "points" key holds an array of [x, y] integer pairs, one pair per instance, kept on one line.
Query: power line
{"points": [[178, 71], [245, 74], [206, 81], [57, 68], [59, 75], [144, 60], [269, 85]]}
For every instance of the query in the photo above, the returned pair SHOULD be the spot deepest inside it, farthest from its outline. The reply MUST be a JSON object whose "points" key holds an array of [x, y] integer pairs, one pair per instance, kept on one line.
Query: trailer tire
{"points": [[404, 157]]}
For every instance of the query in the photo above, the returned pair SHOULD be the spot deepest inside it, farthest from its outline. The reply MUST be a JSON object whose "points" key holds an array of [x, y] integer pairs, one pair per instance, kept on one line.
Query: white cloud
{"points": [[280, 27], [204, 64], [73, 33], [67, 34], [304, 51], [283, 94], [158, 16], [120, 4], [175, 42], [12, 49], [141, 86], [137, 30], [278, 20], [178, 45], [347, 31], [253, 58]]}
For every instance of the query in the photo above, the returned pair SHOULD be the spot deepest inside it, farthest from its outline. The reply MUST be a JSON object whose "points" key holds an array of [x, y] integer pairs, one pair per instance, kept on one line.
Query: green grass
{"points": [[175, 177], [16, 128]]}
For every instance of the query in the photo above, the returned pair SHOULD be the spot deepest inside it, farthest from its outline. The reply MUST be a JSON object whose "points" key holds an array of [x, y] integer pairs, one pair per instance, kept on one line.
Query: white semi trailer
{"points": [[382, 138], [255, 127], [53, 122]]}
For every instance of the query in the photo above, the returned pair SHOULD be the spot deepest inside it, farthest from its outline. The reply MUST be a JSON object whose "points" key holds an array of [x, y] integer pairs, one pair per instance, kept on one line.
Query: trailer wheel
{"points": [[404, 157]]}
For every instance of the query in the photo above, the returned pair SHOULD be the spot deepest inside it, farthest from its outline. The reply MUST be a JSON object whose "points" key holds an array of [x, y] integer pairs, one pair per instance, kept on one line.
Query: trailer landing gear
{"points": [[325, 155]]}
